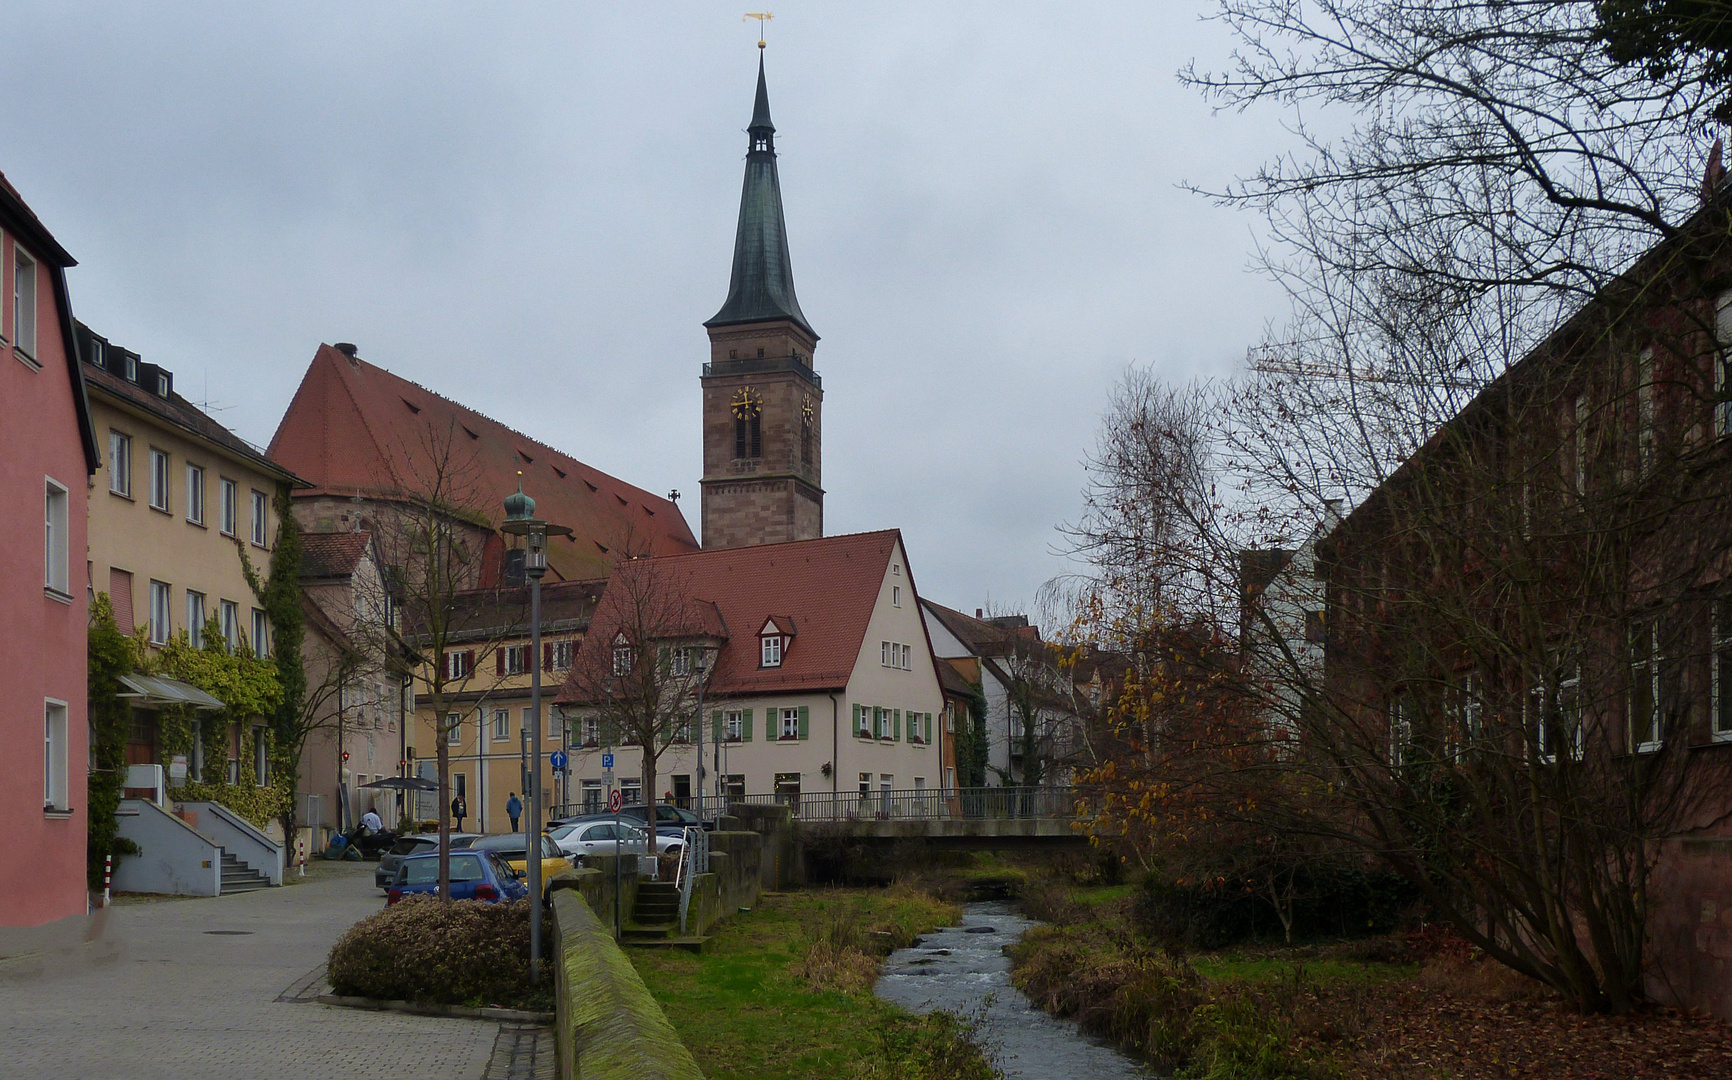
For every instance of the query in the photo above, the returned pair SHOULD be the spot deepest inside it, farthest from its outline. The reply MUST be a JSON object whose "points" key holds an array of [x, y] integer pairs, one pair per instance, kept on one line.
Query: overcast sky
{"points": [[531, 209]]}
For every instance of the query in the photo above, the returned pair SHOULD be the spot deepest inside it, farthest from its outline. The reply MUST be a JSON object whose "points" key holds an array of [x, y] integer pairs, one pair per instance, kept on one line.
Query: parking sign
{"points": [[607, 761]]}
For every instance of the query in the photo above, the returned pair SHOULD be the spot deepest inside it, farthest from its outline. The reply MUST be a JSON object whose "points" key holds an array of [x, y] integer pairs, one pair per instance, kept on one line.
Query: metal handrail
{"points": [[897, 804]]}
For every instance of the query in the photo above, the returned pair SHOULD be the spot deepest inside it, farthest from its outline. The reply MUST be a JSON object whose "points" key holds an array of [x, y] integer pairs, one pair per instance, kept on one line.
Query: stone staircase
{"points": [[238, 877], [655, 919]]}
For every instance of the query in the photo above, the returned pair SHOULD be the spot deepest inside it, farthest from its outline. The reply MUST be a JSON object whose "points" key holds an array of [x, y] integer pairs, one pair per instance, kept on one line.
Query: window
{"points": [[453, 729], [261, 757], [513, 660], [229, 614], [1721, 633], [560, 654], [261, 634], [772, 645], [865, 786], [120, 463], [1400, 731], [949, 780], [1645, 703], [1581, 444], [862, 721], [55, 522], [592, 797], [23, 301], [195, 618], [734, 725], [1645, 440], [1558, 707], [748, 437], [735, 785], [195, 494], [458, 664], [160, 624], [54, 758], [1466, 713], [621, 655], [501, 725], [950, 717], [895, 596], [790, 724], [893, 654], [158, 478], [591, 731], [229, 494], [680, 662], [259, 519], [1723, 366]]}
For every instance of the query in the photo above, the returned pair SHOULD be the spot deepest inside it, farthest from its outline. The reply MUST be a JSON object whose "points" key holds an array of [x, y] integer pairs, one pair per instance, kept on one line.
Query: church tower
{"points": [[763, 403]]}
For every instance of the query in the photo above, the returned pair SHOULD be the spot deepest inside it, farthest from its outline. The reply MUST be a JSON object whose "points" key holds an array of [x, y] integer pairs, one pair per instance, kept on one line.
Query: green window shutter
{"points": [[928, 717], [770, 732], [716, 726], [804, 716], [857, 723], [896, 725], [746, 726], [877, 722]]}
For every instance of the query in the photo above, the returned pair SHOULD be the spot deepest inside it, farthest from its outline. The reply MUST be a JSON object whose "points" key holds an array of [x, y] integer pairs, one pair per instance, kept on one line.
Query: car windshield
{"points": [[425, 871], [562, 831], [506, 844], [409, 845]]}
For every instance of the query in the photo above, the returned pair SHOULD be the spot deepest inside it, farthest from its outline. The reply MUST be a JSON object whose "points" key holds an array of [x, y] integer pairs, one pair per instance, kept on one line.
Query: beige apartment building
{"points": [[176, 500], [488, 700]]}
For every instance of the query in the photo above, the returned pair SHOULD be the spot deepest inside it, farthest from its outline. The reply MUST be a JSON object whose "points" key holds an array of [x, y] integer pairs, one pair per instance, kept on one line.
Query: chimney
{"points": [[347, 348], [979, 614]]}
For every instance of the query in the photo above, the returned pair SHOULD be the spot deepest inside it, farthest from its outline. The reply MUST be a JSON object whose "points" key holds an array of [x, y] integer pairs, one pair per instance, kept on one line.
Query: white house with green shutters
{"points": [[823, 692]]}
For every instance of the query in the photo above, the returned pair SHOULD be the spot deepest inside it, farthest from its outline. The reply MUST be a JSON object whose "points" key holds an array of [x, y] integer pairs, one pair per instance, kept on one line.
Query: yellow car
{"points": [[514, 849]]}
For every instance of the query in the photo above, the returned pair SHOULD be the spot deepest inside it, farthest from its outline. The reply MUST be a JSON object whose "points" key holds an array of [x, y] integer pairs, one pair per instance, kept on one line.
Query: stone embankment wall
{"points": [[732, 883], [608, 1026]]}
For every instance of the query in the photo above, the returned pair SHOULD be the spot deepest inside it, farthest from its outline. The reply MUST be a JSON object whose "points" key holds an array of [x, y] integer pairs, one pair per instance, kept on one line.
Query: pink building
{"points": [[47, 455]]}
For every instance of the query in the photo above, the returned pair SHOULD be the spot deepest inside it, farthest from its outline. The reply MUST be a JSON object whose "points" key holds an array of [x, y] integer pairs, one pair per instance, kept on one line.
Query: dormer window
{"points": [[773, 640], [621, 655], [772, 650]]}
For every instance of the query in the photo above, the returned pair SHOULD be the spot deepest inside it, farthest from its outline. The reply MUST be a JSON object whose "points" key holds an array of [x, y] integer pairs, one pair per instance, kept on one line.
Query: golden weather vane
{"points": [[762, 17]]}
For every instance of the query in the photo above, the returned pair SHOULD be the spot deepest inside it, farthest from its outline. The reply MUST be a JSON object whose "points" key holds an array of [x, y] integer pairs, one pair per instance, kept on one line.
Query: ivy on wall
{"points": [[112, 654]]}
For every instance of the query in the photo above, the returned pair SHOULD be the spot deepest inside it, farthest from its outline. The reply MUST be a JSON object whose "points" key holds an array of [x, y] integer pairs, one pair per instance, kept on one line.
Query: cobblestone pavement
{"points": [[206, 989]]}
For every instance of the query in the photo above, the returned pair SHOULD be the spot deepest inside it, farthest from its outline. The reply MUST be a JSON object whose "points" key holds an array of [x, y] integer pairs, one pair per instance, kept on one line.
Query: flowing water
{"points": [[959, 967]]}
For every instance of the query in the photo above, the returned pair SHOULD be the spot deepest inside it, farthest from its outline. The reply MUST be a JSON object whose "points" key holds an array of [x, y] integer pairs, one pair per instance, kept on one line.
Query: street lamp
{"points": [[520, 520]]}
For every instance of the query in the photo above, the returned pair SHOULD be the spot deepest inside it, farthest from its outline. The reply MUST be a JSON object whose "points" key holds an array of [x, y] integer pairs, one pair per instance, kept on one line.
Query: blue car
{"points": [[475, 875]]}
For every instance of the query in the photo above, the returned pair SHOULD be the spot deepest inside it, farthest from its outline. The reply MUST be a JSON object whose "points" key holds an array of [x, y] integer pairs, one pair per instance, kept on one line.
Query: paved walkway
{"points": [[192, 994]]}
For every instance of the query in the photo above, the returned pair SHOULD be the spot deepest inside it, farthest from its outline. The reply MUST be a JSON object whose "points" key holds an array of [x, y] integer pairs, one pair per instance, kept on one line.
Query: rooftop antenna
{"points": [[762, 17]]}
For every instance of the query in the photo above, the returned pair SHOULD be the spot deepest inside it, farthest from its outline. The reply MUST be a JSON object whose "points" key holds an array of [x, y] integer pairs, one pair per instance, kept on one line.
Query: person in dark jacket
{"points": [[459, 810], [514, 809]]}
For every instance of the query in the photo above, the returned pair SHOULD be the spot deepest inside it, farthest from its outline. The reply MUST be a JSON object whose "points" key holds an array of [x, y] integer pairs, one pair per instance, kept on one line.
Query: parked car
{"points": [[665, 816], [602, 836], [475, 875], [514, 849], [405, 846]]}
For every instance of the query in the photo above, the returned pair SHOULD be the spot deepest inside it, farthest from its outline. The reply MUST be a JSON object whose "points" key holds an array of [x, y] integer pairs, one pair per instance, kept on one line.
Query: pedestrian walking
{"points": [[514, 809], [459, 810]]}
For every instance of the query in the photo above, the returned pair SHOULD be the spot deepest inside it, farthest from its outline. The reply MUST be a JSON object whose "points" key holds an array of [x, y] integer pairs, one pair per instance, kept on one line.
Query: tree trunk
{"points": [[442, 750]]}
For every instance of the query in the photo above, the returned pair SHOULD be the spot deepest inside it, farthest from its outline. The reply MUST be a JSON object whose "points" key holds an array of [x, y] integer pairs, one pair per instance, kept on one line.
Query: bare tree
{"points": [[641, 669], [431, 536]]}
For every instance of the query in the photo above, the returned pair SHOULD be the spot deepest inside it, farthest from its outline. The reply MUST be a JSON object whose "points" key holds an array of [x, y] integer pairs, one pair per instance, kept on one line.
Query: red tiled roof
{"points": [[332, 554], [828, 587], [356, 428]]}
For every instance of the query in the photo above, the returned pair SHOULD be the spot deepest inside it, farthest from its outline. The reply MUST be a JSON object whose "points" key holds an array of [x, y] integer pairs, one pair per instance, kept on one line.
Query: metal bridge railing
{"points": [[889, 804]]}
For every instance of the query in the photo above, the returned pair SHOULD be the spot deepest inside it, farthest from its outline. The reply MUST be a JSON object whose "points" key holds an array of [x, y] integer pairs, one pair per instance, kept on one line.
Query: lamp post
{"points": [[520, 520]]}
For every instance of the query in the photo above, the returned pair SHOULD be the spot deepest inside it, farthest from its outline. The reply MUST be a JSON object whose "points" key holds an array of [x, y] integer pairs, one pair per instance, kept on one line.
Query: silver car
{"points": [[604, 838]]}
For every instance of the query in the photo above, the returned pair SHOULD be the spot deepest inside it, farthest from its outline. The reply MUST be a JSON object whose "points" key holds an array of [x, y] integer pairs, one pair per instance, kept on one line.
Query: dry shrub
{"points": [[1486, 980], [462, 953], [1051, 901], [844, 969]]}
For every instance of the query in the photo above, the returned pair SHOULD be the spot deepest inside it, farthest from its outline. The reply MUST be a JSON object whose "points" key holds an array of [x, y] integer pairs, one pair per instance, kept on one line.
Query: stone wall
{"points": [[608, 1026], [1690, 926], [781, 863]]}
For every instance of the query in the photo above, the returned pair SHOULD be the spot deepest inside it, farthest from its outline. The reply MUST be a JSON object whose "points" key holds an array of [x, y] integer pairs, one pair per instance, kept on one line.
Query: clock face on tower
{"points": [[806, 410], [746, 404]]}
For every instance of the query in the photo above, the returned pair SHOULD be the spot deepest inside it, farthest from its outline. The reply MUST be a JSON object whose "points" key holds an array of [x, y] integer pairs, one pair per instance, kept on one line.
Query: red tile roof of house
{"points": [[354, 428], [828, 587]]}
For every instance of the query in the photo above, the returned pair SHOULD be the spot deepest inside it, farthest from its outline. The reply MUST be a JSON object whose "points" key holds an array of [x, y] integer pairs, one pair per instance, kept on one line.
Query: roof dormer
{"points": [[774, 639]]}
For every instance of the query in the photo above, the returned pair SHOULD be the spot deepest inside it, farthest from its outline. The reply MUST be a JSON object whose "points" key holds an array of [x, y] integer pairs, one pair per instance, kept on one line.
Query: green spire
{"points": [[762, 287]]}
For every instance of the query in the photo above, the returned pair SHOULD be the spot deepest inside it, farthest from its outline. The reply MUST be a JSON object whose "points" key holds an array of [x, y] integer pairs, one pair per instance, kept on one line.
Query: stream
{"points": [[959, 967]]}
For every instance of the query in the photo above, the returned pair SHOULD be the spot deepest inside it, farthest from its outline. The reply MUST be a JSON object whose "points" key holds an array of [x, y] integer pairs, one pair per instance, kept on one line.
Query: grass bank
{"points": [[786, 992]]}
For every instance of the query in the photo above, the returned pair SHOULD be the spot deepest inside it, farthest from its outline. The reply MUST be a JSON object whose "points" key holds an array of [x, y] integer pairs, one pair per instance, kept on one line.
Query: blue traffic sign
{"points": [[557, 760], [607, 761]]}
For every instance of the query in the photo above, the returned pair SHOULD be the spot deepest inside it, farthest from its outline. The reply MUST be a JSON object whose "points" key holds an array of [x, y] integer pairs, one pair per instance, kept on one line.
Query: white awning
{"points": [[155, 691]]}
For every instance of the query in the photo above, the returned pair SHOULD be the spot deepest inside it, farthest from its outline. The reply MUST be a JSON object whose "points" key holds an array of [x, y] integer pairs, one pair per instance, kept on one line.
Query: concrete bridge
{"points": [[971, 818]]}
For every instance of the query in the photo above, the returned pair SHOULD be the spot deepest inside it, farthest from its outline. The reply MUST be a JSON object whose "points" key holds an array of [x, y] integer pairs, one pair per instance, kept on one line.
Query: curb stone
{"points": [[454, 1012]]}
